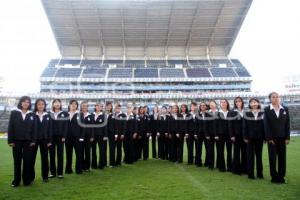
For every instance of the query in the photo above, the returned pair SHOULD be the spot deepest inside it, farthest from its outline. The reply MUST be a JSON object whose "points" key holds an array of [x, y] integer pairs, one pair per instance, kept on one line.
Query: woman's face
{"points": [[203, 107], [108, 107], [174, 109], [99, 107], [40, 106], [183, 109], [238, 102], [212, 105], [193, 108], [275, 99], [223, 104], [84, 107], [254, 104], [73, 106], [129, 109], [56, 105]]}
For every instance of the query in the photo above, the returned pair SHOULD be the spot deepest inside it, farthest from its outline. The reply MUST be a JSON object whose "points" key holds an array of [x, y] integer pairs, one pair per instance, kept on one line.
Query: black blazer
{"points": [[192, 124], [212, 124], [253, 128], [131, 124], [173, 125], [163, 126], [88, 130], [44, 128], [154, 124], [183, 124], [120, 124], [202, 124], [102, 123], [223, 125], [143, 124], [60, 125], [19, 129], [277, 127], [110, 124], [74, 129], [235, 124]]}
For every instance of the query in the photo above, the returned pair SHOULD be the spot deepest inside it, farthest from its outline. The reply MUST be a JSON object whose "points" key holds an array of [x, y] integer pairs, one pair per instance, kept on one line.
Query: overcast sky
{"points": [[268, 43]]}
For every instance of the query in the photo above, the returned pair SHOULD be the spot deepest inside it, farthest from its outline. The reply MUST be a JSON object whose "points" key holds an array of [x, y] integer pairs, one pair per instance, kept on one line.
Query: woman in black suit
{"points": [[192, 125], [254, 135], [277, 129], [111, 133], [88, 134], [173, 133], [130, 133], [211, 124], [100, 140], [162, 134], [153, 128], [43, 137], [74, 139], [222, 137], [22, 137], [182, 130], [59, 135], [200, 138], [239, 164]]}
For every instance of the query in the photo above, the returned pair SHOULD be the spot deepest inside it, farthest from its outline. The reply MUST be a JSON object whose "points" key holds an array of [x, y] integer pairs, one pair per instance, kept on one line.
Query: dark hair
{"points": [[270, 95], [83, 102], [109, 103], [141, 108], [176, 106], [147, 109], [23, 99], [98, 103], [58, 100], [254, 99], [228, 106], [193, 104], [36, 102], [186, 108], [72, 101], [240, 98], [206, 106]]}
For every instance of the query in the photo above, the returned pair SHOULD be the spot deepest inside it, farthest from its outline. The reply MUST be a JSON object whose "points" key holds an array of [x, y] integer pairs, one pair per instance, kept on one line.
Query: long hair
{"points": [[186, 108], [227, 102], [36, 102], [23, 99], [72, 101], [254, 99], [242, 100]]}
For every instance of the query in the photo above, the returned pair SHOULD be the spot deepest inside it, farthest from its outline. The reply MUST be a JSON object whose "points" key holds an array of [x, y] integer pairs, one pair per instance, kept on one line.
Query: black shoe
{"points": [[45, 180], [14, 184], [51, 176], [27, 183], [281, 181], [260, 176], [274, 180]]}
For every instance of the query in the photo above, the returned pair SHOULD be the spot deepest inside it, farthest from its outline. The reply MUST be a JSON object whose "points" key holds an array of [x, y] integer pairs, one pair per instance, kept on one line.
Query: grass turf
{"points": [[154, 179]]}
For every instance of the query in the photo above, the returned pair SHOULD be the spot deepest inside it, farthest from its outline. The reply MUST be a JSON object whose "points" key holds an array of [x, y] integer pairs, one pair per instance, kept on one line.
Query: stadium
{"points": [[149, 52]]}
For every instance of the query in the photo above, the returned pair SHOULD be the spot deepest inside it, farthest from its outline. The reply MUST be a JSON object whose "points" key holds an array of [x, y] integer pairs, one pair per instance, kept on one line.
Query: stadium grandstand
{"points": [[146, 52]]}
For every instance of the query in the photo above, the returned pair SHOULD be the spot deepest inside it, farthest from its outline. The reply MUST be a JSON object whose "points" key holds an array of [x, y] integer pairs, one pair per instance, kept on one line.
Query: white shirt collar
{"points": [[272, 107], [28, 111], [44, 113], [86, 114]]}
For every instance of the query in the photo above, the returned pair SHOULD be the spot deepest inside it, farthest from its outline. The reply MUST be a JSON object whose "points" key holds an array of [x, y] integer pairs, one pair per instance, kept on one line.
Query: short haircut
{"points": [[23, 99], [72, 101], [36, 102], [270, 95]]}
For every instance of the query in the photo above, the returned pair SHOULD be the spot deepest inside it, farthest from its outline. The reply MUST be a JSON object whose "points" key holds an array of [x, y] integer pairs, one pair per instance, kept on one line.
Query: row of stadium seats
{"points": [[148, 63], [96, 72]]}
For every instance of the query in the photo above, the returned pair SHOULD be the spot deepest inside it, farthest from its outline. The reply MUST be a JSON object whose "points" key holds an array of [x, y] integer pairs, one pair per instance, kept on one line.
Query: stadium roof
{"points": [[145, 28]]}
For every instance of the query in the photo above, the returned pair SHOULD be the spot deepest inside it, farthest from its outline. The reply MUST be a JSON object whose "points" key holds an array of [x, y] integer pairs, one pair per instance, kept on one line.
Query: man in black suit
{"points": [[277, 130]]}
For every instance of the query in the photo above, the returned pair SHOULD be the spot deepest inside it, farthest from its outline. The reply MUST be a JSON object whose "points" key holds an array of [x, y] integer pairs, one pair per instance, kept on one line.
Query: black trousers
{"points": [[56, 150], [153, 141], [136, 149], [180, 147], [277, 155], [173, 148], [206, 153], [112, 148], [86, 155], [22, 152], [211, 153], [128, 148], [239, 163], [198, 157], [102, 146], [221, 156], [42, 144], [190, 147], [119, 144], [74, 143], [254, 152], [145, 146]]}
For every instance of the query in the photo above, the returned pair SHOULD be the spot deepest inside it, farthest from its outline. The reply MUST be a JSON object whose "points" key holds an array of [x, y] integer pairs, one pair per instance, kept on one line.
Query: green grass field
{"points": [[154, 179]]}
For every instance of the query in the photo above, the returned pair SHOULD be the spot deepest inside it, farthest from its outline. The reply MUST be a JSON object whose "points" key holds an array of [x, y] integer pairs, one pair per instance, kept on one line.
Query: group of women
{"points": [[236, 136]]}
